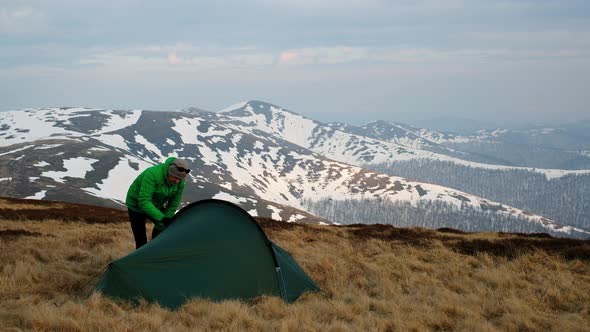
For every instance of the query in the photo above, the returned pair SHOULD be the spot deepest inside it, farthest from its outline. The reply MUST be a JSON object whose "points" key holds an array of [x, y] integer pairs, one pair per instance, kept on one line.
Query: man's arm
{"points": [[146, 192], [174, 202]]}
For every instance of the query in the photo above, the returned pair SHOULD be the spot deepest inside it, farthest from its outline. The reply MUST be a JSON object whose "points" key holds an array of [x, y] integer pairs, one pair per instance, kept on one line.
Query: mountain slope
{"points": [[402, 150], [92, 155], [375, 143]]}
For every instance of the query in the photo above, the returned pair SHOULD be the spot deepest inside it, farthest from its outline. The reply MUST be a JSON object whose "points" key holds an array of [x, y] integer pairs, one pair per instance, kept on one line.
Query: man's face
{"points": [[173, 179]]}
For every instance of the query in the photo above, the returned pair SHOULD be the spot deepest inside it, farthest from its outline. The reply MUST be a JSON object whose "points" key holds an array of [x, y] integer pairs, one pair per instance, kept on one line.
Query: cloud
{"points": [[541, 38], [21, 13], [373, 48], [173, 59], [192, 57], [20, 21], [344, 55], [323, 55]]}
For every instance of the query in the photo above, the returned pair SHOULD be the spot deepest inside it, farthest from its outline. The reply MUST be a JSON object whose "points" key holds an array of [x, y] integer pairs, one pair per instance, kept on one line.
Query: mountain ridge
{"points": [[233, 159]]}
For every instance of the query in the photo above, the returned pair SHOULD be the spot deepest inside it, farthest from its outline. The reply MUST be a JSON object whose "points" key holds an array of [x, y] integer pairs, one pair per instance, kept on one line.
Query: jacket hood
{"points": [[167, 164]]}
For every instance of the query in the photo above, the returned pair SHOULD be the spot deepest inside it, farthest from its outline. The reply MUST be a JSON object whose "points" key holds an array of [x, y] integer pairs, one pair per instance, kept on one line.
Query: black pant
{"points": [[137, 220]]}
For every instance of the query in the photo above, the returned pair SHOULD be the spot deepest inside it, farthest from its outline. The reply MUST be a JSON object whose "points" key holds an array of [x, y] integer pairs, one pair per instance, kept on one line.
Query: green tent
{"points": [[213, 249]]}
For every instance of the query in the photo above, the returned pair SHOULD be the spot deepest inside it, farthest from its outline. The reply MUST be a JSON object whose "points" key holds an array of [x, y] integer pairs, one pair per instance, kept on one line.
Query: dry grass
{"points": [[9, 205], [374, 278]]}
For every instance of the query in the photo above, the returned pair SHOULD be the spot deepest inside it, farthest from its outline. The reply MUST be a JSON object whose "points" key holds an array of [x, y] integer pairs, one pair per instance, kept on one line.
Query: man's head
{"points": [[178, 170]]}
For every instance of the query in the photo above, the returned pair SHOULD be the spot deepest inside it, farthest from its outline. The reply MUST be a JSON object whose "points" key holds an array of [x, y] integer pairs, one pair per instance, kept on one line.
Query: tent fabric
{"points": [[213, 249]]}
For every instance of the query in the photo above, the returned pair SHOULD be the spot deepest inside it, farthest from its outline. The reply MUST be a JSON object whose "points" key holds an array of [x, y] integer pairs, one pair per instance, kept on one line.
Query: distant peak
{"points": [[234, 107], [193, 110], [252, 103], [258, 104], [378, 122], [387, 123]]}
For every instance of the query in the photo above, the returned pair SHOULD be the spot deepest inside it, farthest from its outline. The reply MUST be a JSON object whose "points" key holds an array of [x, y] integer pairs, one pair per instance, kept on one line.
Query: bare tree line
{"points": [[428, 214], [565, 199]]}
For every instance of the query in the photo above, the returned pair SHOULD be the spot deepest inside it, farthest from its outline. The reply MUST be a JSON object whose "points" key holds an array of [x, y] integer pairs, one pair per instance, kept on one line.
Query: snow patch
{"points": [[34, 125], [100, 149], [557, 173], [17, 150], [295, 217], [291, 127], [117, 121], [149, 145], [75, 168], [259, 145], [187, 128], [234, 107], [114, 140], [230, 198], [39, 195], [295, 128], [47, 146], [115, 186], [42, 164], [276, 212]]}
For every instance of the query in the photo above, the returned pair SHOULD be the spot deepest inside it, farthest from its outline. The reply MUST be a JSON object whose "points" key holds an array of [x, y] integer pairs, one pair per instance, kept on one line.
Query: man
{"points": [[155, 195]]}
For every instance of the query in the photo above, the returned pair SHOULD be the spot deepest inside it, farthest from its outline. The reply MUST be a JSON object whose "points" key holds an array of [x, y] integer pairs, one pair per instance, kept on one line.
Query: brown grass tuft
{"points": [[8, 206], [12, 234]]}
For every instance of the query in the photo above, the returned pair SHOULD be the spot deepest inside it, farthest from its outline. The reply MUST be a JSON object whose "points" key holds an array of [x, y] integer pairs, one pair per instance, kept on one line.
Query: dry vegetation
{"points": [[17, 204], [373, 277]]}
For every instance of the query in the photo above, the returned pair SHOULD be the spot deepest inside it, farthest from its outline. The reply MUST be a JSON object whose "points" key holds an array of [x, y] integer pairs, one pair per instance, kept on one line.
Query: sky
{"points": [[354, 61]]}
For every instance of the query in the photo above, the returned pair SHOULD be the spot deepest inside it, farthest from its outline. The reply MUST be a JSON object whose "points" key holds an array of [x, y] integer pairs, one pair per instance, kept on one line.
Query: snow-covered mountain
{"points": [[269, 160], [374, 143], [544, 147], [484, 164]]}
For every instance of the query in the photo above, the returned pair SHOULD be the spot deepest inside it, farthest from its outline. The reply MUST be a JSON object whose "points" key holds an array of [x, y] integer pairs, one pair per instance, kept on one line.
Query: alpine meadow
{"points": [[372, 277]]}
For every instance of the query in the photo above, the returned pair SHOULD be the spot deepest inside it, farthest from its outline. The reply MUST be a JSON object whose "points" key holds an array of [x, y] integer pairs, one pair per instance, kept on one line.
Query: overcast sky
{"points": [[332, 60]]}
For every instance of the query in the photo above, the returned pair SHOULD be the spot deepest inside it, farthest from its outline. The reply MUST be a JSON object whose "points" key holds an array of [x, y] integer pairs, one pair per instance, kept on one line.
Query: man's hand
{"points": [[166, 221], [159, 226]]}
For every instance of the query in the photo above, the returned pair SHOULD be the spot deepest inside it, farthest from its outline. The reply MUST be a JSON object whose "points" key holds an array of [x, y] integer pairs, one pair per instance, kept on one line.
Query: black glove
{"points": [[166, 221]]}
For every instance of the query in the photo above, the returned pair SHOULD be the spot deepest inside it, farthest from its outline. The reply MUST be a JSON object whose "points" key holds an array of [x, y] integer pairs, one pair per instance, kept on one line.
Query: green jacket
{"points": [[154, 195]]}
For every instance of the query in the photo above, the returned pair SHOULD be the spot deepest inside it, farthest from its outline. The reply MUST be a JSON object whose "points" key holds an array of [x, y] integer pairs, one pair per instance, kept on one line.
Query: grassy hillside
{"points": [[374, 278]]}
